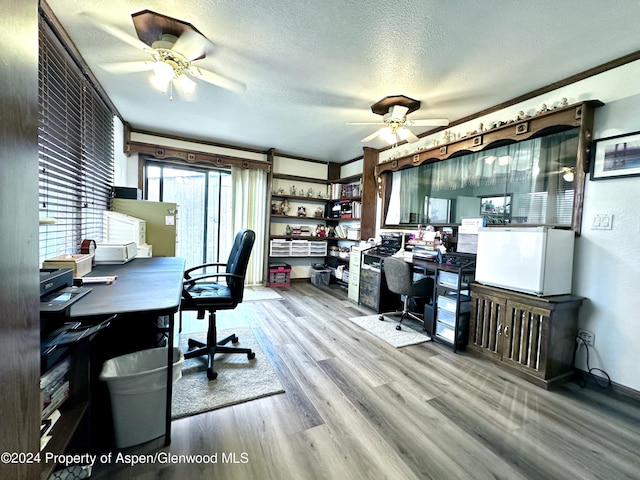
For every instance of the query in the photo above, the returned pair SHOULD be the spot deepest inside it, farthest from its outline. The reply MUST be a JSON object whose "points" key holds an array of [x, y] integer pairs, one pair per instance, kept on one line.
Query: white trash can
{"points": [[137, 384]]}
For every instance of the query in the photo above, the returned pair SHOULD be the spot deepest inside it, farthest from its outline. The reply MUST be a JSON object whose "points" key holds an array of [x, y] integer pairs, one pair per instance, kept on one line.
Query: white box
{"points": [[115, 253], [120, 228], [145, 250]]}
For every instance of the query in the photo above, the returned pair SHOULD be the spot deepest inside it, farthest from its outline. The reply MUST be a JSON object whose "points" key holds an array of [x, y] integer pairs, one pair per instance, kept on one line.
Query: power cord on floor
{"points": [[596, 378]]}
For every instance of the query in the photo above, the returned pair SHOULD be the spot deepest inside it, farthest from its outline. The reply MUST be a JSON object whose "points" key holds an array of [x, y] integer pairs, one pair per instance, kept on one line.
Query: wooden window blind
{"points": [[75, 139]]}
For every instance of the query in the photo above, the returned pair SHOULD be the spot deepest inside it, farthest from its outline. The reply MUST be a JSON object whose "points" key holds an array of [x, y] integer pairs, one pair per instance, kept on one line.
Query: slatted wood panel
{"points": [[524, 329], [486, 324]]}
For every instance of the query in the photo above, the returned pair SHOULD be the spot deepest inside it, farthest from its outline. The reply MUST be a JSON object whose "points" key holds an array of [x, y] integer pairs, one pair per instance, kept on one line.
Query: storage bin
{"points": [[445, 331], [449, 303], [137, 384], [320, 277], [448, 279], [279, 275], [447, 317]]}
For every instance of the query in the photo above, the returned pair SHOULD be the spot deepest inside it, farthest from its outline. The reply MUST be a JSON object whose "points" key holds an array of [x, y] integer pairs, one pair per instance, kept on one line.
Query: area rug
{"points": [[259, 293], [386, 330], [239, 379]]}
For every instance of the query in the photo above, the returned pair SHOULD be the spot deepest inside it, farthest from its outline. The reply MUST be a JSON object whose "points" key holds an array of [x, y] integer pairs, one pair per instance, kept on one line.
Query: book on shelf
{"points": [[56, 398], [46, 426]]}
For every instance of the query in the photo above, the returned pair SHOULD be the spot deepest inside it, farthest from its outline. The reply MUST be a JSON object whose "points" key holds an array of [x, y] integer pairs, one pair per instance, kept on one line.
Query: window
{"points": [[75, 140], [203, 197]]}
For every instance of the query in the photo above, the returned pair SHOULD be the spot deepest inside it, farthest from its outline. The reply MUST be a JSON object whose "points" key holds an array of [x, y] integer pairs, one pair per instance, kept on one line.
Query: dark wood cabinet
{"points": [[532, 337], [374, 292]]}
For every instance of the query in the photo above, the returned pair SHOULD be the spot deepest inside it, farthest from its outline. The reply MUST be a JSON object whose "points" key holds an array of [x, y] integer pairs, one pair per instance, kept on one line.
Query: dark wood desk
{"points": [[146, 285], [448, 325]]}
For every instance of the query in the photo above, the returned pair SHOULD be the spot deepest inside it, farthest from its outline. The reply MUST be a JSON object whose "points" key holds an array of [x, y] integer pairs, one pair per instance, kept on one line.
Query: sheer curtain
{"points": [[249, 210]]}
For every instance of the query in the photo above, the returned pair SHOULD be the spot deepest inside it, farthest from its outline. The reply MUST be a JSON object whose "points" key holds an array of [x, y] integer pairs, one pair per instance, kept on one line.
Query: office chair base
{"points": [[197, 349], [403, 315]]}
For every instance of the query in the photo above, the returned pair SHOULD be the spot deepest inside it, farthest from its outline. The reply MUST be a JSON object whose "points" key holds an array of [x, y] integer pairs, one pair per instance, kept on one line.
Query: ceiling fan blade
{"points": [[192, 45], [366, 123], [371, 137], [429, 122], [410, 137], [127, 67], [120, 34], [220, 80]]}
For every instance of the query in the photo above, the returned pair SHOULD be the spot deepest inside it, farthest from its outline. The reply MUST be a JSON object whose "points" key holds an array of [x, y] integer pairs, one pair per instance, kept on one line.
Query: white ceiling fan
{"points": [[174, 46], [395, 125]]}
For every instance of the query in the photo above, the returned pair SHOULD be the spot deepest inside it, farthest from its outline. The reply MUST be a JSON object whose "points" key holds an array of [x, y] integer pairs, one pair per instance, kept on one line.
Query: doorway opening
{"points": [[203, 197]]}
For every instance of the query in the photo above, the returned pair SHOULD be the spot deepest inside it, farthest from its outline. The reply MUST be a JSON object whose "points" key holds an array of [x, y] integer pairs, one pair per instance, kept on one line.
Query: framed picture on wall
{"points": [[615, 157]]}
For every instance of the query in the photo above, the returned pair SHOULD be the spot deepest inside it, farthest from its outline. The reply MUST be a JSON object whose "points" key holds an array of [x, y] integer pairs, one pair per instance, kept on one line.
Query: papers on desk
{"points": [[109, 279]]}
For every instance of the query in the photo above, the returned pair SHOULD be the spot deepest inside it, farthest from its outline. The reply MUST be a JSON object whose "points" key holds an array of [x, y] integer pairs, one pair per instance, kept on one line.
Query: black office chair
{"points": [[217, 291], [400, 280]]}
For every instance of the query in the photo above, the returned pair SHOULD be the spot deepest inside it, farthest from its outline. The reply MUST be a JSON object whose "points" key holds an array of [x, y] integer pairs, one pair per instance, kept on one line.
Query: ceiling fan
{"points": [[174, 46], [395, 125]]}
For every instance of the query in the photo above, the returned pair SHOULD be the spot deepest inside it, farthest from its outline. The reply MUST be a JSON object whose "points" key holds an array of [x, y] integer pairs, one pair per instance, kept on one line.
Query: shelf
{"points": [[299, 237], [301, 198], [292, 217], [296, 178], [62, 431]]}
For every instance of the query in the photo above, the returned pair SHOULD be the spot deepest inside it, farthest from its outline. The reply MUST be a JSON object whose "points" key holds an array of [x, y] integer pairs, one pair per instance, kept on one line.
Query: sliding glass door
{"points": [[203, 197]]}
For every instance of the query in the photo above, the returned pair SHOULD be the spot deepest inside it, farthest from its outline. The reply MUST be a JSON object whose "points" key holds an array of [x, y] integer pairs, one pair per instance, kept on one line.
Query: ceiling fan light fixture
{"points": [[388, 135], [568, 174], [188, 85], [163, 73]]}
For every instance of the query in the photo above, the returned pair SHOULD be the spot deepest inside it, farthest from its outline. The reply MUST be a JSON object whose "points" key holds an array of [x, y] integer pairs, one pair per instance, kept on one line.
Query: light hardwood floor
{"points": [[357, 408]]}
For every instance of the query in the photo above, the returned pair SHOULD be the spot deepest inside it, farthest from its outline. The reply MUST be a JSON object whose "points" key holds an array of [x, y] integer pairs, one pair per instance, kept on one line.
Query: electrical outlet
{"points": [[588, 337]]}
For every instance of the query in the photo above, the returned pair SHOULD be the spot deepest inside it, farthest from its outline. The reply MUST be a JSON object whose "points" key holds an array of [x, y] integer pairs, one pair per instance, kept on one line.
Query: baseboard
{"points": [[622, 391]]}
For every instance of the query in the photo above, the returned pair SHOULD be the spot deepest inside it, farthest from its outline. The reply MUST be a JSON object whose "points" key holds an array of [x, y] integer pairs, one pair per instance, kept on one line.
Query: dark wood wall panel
{"points": [[19, 295]]}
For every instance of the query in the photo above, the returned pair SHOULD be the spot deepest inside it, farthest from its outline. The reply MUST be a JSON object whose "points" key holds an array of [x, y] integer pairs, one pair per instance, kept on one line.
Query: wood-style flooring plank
{"points": [[356, 408]]}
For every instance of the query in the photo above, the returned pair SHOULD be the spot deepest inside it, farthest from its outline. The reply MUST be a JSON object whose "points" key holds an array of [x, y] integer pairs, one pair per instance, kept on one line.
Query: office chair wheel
{"points": [[211, 375], [251, 355], [381, 317], [234, 339], [398, 327]]}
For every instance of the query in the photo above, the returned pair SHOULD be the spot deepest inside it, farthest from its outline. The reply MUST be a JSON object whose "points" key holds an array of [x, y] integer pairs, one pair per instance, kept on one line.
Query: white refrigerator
{"points": [[535, 260]]}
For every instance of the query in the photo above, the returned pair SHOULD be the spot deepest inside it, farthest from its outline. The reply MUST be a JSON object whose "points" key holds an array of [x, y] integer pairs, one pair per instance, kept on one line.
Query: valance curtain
{"points": [[249, 210]]}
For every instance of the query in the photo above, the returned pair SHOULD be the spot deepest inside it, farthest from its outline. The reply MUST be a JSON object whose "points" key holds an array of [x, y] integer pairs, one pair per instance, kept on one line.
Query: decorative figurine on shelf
{"points": [[321, 231], [274, 209], [310, 192], [543, 109], [302, 212], [292, 190], [285, 207], [288, 230], [281, 191], [319, 212]]}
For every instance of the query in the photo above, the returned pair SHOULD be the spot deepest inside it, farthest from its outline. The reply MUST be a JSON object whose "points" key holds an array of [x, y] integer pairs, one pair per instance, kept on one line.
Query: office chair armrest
{"points": [[188, 271], [194, 280]]}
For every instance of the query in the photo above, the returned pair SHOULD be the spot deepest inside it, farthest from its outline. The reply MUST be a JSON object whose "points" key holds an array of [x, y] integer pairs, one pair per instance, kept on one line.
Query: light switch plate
{"points": [[602, 221]]}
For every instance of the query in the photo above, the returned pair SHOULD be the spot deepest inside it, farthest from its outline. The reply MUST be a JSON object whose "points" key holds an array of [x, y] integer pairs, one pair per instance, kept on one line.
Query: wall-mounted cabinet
{"points": [[514, 172]]}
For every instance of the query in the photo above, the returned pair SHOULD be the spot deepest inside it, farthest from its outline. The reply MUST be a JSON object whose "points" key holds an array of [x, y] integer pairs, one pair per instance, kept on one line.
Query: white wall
{"points": [[607, 263]]}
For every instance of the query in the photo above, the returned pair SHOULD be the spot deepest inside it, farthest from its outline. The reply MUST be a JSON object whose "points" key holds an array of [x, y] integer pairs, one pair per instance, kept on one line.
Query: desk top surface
{"points": [[152, 284]]}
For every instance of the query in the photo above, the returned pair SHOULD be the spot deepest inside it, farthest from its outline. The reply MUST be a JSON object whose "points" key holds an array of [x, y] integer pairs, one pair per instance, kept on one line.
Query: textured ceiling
{"points": [[309, 67]]}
